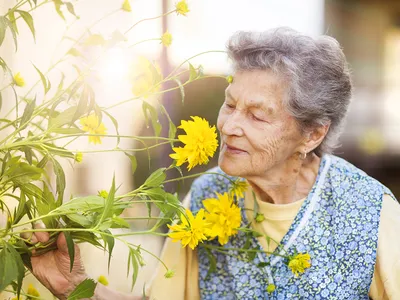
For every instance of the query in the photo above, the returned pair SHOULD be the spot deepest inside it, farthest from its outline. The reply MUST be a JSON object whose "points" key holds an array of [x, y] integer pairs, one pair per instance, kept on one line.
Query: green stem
{"points": [[148, 19], [154, 39], [199, 174]]}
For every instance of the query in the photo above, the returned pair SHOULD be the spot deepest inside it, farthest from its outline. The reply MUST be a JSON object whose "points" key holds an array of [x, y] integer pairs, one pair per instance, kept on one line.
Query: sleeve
{"points": [[183, 261], [385, 283]]}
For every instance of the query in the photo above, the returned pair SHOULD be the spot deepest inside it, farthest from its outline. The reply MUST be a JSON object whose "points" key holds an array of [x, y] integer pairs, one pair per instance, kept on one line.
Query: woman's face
{"points": [[257, 133]]}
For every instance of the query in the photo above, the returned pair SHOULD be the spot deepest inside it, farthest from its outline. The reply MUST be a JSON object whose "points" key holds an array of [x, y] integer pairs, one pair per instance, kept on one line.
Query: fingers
{"points": [[35, 237], [62, 243]]}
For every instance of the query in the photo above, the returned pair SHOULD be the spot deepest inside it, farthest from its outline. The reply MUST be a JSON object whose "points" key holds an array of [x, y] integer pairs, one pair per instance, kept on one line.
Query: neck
{"points": [[288, 182]]}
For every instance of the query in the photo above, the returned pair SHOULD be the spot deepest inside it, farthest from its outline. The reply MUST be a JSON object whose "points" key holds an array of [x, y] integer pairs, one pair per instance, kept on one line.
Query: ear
{"points": [[315, 137]]}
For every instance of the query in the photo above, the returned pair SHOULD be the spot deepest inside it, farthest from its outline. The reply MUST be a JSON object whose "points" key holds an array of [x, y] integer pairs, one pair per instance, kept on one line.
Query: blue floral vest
{"points": [[337, 225]]}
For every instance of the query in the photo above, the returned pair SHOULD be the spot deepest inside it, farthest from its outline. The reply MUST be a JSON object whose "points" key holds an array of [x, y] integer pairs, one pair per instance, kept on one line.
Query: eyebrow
{"points": [[254, 103]]}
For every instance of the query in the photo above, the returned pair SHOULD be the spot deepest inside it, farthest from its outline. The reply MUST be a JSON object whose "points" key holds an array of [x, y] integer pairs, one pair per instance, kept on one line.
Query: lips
{"points": [[233, 149]]}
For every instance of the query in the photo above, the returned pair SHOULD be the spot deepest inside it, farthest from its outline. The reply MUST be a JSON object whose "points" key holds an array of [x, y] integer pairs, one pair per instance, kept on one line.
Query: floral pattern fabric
{"points": [[340, 233]]}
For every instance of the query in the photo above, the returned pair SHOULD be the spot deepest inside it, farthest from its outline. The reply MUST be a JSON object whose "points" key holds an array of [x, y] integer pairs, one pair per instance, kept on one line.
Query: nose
{"points": [[233, 124]]}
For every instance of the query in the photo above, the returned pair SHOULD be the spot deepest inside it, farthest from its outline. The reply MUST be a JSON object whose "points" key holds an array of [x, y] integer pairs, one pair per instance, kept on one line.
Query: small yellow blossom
{"points": [[32, 291], [78, 157], [103, 193], [229, 79], [238, 188], [271, 287], [299, 263], [19, 80], [224, 217], [92, 125], [103, 280], [169, 274], [166, 39], [191, 231], [182, 8], [16, 298], [260, 217], [200, 143], [126, 6]]}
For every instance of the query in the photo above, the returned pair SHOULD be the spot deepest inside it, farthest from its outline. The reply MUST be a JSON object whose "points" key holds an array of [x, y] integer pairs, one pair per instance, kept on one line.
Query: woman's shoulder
{"points": [[345, 173]]}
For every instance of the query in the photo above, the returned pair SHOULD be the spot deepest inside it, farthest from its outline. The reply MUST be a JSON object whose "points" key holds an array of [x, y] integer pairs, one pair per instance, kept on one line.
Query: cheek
{"points": [[220, 120]]}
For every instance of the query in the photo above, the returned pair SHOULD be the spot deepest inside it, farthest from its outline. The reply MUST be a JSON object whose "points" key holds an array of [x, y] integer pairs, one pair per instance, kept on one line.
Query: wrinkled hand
{"points": [[52, 268]]}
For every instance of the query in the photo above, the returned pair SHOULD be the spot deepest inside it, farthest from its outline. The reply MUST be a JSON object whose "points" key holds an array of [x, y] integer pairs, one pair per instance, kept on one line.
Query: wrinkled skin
{"points": [[262, 142], [52, 269]]}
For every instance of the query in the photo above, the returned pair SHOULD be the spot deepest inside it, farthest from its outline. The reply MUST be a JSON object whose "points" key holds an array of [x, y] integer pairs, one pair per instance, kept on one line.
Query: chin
{"points": [[230, 168]]}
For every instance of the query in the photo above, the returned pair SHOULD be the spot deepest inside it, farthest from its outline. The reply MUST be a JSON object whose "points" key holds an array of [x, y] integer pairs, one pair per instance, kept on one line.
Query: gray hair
{"points": [[316, 71]]}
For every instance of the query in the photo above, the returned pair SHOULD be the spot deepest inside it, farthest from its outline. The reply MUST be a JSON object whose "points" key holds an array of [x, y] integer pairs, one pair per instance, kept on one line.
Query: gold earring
{"points": [[303, 155]]}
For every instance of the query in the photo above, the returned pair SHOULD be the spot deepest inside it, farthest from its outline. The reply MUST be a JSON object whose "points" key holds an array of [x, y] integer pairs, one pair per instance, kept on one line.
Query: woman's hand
{"points": [[52, 268]]}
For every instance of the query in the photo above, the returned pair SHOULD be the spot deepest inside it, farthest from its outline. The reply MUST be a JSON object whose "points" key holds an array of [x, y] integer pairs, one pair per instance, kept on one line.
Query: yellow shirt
{"points": [[278, 218]]}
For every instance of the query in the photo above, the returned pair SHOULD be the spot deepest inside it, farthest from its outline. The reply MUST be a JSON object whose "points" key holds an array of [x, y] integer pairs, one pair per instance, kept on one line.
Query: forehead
{"points": [[257, 88]]}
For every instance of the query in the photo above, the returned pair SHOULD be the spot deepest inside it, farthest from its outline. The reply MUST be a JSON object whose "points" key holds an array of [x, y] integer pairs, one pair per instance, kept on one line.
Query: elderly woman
{"points": [[282, 115]]}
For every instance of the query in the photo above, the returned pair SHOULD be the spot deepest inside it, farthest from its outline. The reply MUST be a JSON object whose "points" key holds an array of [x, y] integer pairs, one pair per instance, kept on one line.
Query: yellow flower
{"points": [[103, 193], [224, 217], [19, 80], [182, 8], [103, 280], [191, 231], [32, 291], [126, 6], [92, 125], [200, 143], [238, 189], [166, 39], [271, 287], [229, 79], [146, 77], [169, 274], [78, 157], [299, 263]]}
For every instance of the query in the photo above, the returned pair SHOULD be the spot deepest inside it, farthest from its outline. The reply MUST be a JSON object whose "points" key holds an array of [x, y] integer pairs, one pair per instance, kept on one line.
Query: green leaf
{"points": [[21, 209], [135, 265], [86, 237], [262, 264], [107, 212], [11, 267], [133, 161], [3, 27], [28, 154], [4, 23], [42, 163], [84, 290], [172, 127], [82, 204], [181, 88], [212, 261], [109, 243], [149, 109], [74, 52], [28, 20], [156, 178], [28, 112], [45, 82], [63, 118], [60, 181], [115, 122], [193, 73], [71, 249], [57, 5], [23, 173], [12, 20], [94, 40], [118, 222], [70, 8], [84, 221]]}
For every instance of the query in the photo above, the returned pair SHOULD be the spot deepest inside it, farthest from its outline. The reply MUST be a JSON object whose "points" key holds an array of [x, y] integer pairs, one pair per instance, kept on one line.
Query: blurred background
{"points": [[368, 30]]}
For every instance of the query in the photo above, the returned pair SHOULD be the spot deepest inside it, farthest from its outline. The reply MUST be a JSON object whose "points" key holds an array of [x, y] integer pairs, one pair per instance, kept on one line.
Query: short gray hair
{"points": [[316, 70]]}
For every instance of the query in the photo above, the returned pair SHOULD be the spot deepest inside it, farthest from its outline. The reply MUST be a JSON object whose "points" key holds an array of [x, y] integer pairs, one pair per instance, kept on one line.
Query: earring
{"points": [[303, 155]]}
